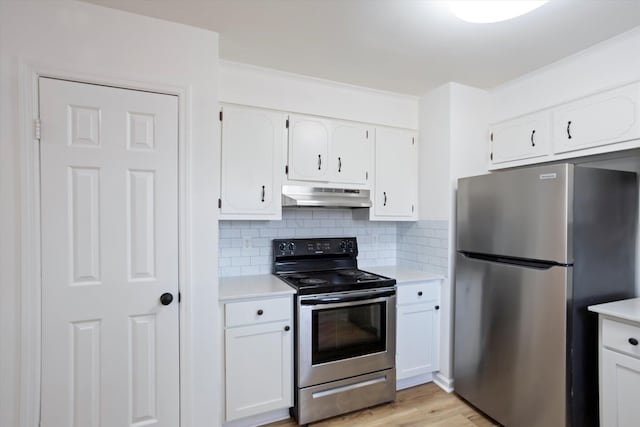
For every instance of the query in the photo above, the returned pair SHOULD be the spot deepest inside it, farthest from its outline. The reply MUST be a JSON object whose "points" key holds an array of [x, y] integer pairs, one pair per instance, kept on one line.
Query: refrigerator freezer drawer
{"points": [[510, 341]]}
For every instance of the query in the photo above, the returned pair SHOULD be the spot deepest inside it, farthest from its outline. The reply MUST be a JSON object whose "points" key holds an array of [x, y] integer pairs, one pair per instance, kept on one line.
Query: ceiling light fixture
{"points": [[484, 12]]}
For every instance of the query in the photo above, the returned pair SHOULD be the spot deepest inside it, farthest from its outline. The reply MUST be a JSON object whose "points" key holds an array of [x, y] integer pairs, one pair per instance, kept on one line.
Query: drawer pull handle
{"points": [[260, 312], [286, 328], [633, 341], [437, 307], [419, 293]]}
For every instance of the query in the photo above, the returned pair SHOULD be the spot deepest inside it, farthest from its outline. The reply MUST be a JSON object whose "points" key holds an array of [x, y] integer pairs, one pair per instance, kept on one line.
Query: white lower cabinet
{"points": [[258, 356], [619, 374], [418, 329]]}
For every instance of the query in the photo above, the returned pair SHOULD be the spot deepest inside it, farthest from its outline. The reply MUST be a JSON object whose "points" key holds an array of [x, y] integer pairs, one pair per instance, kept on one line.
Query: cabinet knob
{"points": [[437, 307], [419, 293], [286, 328], [260, 312], [633, 341]]}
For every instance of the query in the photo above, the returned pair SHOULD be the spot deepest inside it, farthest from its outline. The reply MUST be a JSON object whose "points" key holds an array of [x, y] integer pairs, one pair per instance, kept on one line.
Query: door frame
{"points": [[30, 228]]}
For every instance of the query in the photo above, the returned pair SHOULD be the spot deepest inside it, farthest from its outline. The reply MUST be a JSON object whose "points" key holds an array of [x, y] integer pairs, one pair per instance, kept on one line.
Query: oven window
{"points": [[341, 333]]}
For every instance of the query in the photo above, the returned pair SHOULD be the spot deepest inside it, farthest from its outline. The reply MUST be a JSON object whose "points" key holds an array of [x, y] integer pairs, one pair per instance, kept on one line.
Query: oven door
{"points": [[342, 335]]}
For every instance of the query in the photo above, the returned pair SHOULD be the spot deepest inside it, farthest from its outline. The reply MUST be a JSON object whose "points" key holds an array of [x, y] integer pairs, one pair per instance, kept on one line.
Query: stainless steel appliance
{"points": [[304, 196], [345, 328], [535, 247]]}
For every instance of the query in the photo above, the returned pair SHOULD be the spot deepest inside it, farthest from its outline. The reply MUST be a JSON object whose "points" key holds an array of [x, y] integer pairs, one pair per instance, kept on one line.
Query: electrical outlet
{"points": [[246, 242]]}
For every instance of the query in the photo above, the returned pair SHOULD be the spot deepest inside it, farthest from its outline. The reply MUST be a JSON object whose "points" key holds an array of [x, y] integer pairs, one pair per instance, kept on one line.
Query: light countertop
{"points": [[262, 285], [628, 309], [403, 274]]}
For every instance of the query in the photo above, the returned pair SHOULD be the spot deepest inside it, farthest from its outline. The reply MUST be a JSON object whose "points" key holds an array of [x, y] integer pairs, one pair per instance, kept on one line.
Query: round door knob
{"points": [[633, 341], [260, 312], [166, 298], [437, 307], [286, 328]]}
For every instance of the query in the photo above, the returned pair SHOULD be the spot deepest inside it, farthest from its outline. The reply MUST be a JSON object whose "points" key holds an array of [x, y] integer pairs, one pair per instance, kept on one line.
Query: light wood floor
{"points": [[424, 405]]}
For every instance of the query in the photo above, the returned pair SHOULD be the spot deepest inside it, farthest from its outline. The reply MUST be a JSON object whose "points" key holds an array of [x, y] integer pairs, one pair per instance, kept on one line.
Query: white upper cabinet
{"points": [[521, 138], [396, 175], [605, 118], [252, 162], [309, 139], [351, 148]]}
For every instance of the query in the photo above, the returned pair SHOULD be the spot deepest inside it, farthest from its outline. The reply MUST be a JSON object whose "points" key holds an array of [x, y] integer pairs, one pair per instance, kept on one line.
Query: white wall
{"points": [[434, 113], [453, 126], [611, 63], [267, 88], [107, 45]]}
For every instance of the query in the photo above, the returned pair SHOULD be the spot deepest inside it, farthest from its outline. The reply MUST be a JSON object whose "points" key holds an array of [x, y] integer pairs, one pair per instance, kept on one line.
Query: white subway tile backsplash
{"points": [[424, 245], [421, 245]]}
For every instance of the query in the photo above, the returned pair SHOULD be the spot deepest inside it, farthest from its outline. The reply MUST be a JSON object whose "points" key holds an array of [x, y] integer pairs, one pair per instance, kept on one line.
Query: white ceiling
{"points": [[407, 46]]}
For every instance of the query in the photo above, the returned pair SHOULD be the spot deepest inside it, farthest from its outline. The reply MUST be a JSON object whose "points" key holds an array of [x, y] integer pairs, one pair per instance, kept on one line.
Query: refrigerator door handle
{"points": [[522, 262]]}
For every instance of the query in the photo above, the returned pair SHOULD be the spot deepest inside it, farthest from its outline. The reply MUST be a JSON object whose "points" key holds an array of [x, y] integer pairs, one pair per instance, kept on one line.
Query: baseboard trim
{"points": [[413, 381], [260, 419], [443, 382]]}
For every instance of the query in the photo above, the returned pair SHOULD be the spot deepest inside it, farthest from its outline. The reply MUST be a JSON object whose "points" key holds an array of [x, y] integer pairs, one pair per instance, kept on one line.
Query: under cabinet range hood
{"points": [[316, 197]]}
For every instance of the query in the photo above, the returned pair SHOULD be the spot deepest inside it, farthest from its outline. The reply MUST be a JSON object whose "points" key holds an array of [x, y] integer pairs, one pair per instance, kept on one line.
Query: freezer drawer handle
{"points": [[633, 341], [324, 393]]}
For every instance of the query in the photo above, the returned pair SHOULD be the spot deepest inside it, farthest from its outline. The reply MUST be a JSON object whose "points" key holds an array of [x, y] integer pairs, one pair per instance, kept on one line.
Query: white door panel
{"points": [[252, 141], [396, 172], [605, 118], [308, 148], [109, 188], [350, 153], [521, 138]]}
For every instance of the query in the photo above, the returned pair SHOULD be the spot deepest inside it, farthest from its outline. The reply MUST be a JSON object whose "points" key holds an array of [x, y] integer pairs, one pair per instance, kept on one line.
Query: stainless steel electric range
{"points": [[345, 340]]}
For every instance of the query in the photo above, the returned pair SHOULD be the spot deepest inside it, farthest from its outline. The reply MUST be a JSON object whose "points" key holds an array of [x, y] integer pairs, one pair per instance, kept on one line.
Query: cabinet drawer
{"points": [[419, 292], [257, 311], [617, 336]]}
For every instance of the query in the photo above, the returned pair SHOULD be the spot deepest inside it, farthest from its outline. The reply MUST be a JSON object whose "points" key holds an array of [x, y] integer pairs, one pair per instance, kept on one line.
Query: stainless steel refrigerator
{"points": [[535, 247]]}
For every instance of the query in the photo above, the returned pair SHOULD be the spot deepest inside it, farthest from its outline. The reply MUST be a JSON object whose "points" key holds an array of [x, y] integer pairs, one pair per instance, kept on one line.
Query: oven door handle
{"points": [[346, 298]]}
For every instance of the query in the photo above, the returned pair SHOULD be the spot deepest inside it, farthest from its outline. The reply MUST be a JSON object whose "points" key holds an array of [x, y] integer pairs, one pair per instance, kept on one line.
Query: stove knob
{"points": [[292, 246], [343, 245], [350, 245], [283, 246]]}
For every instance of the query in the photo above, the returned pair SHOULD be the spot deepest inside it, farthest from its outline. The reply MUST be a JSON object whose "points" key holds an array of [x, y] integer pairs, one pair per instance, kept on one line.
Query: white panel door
{"points": [[252, 166], [605, 118], [351, 147], [259, 369], [109, 208], [396, 161], [522, 138], [620, 390], [309, 139], [416, 327]]}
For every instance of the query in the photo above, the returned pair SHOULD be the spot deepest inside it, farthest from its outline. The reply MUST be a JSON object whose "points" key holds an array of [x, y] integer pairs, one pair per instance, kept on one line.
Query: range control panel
{"points": [[310, 247]]}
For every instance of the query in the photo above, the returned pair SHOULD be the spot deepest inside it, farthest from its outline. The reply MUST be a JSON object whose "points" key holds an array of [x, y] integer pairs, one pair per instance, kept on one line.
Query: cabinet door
{"points": [[396, 182], [308, 148], [252, 141], [620, 389], [259, 369], [601, 119], [417, 336], [521, 138], [350, 153]]}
